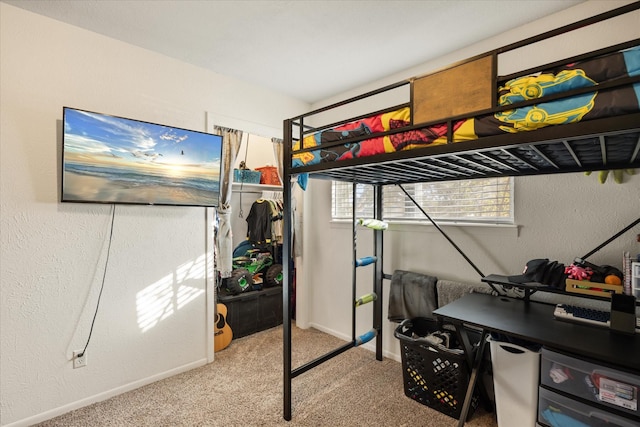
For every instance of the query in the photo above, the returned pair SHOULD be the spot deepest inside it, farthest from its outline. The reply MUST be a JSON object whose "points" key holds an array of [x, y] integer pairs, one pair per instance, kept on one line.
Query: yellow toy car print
{"points": [[561, 111]]}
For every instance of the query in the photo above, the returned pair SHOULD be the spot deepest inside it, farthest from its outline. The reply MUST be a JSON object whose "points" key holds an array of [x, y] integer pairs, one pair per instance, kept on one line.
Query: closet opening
{"points": [[252, 296]]}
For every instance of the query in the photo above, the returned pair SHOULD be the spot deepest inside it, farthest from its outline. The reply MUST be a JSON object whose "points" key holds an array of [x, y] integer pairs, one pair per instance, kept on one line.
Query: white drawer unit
{"points": [[635, 279], [611, 388], [557, 410], [516, 372]]}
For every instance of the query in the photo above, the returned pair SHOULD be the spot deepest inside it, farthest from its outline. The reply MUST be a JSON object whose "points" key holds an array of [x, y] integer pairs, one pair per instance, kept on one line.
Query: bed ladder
{"points": [[378, 227], [375, 297]]}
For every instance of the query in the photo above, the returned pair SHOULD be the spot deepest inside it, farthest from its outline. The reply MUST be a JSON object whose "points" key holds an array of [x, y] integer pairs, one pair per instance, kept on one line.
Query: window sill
{"points": [[399, 225]]}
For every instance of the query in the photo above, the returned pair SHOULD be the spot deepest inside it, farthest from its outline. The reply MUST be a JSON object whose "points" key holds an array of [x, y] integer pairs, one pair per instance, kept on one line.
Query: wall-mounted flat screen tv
{"points": [[109, 159]]}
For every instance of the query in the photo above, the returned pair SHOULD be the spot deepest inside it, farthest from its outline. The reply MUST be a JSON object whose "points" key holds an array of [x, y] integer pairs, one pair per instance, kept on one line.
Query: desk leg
{"points": [[475, 371], [467, 346]]}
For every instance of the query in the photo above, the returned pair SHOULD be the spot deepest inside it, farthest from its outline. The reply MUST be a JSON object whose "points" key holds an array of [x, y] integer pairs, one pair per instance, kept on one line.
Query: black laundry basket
{"points": [[433, 374]]}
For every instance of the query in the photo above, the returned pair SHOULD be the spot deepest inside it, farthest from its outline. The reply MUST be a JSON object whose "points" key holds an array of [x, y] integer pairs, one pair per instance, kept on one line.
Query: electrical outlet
{"points": [[79, 361]]}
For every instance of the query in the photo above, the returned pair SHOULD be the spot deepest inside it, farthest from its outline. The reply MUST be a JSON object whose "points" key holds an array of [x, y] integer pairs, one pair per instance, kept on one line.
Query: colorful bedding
{"points": [[432, 135], [592, 105]]}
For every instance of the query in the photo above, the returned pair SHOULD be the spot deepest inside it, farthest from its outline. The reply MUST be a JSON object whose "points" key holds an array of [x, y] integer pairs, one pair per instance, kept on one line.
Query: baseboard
{"points": [[104, 395], [369, 346]]}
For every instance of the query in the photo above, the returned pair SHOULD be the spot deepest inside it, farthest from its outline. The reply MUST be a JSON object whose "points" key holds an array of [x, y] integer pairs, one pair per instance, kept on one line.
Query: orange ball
{"points": [[612, 279]]}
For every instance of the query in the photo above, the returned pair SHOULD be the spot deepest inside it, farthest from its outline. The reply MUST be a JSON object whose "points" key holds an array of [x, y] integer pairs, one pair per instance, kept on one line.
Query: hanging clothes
{"points": [[259, 222], [265, 220], [277, 222]]}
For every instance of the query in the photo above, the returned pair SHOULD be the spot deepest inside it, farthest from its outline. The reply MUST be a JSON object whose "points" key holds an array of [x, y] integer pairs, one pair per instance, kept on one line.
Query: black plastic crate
{"points": [[433, 374]]}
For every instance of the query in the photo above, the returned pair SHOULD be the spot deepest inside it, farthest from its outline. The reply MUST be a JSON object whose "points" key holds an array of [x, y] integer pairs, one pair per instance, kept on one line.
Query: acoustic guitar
{"points": [[222, 331]]}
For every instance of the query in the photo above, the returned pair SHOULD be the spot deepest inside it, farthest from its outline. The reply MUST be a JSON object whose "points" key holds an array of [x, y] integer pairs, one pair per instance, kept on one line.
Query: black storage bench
{"points": [[254, 311]]}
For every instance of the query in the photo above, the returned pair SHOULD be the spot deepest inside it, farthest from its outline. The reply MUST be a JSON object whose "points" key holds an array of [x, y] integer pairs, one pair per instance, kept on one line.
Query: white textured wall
{"points": [[152, 317], [558, 217]]}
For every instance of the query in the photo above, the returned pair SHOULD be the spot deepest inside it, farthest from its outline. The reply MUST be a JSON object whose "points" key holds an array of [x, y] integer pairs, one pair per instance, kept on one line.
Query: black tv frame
{"points": [[116, 160]]}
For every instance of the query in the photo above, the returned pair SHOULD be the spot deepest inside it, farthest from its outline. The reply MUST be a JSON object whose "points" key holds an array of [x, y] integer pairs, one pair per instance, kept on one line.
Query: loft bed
{"points": [[579, 114], [573, 115]]}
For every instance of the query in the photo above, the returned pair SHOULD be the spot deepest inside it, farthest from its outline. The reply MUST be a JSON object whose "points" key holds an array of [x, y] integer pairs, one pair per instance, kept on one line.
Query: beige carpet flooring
{"points": [[243, 387]]}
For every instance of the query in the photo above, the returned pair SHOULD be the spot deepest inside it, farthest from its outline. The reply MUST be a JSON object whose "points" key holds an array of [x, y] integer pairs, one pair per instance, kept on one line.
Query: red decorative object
{"points": [[269, 175]]}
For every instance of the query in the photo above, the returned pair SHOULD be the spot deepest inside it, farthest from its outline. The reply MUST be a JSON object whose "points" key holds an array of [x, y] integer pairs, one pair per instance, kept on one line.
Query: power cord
{"points": [[104, 275]]}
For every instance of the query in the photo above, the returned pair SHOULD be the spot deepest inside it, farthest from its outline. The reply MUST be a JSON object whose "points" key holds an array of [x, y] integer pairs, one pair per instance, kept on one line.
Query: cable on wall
{"points": [[104, 275]]}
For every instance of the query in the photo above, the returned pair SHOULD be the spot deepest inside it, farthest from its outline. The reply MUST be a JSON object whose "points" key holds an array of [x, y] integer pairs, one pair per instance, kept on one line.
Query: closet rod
{"points": [[248, 192]]}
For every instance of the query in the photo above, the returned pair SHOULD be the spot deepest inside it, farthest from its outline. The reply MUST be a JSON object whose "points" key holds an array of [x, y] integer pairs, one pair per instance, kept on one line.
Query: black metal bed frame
{"points": [[607, 143]]}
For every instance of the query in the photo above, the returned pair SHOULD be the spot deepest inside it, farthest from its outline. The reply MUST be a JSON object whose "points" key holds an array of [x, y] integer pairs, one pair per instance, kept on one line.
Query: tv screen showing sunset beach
{"points": [[108, 159]]}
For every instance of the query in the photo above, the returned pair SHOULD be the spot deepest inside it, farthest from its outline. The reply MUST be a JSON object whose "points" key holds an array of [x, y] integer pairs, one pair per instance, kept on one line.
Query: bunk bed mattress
{"points": [[592, 105]]}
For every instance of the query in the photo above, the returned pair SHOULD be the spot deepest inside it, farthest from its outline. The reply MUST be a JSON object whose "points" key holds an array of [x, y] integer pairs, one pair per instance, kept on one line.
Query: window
{"points": [[487, 200]]}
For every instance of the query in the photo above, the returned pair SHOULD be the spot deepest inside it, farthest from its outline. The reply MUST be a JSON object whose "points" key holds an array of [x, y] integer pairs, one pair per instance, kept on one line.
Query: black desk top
{"points": [[534, 321]]}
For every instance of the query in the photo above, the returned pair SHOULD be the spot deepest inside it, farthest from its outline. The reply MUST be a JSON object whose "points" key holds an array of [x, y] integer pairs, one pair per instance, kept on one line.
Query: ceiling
{"points": [[309, 50]]}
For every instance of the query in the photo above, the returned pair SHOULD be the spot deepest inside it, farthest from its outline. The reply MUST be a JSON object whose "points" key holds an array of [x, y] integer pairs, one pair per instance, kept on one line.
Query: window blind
{"points": [[487, 200]]}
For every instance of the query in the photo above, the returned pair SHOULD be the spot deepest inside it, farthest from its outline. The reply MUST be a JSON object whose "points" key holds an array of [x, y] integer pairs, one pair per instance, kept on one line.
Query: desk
{"points": [[534, 322]]}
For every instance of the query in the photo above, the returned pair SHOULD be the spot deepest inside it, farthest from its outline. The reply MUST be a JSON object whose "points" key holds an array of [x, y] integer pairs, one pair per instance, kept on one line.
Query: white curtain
{"points": [[224, 237], [277, 153]]}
